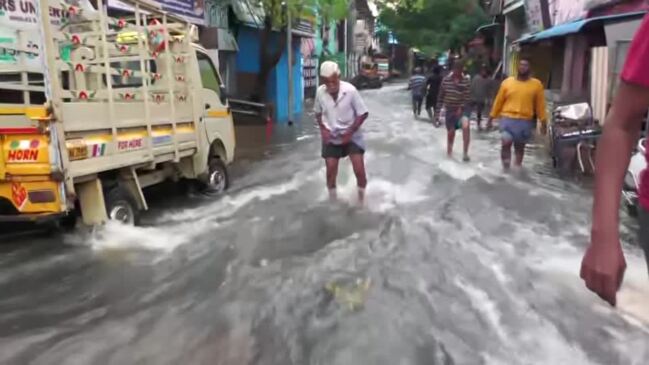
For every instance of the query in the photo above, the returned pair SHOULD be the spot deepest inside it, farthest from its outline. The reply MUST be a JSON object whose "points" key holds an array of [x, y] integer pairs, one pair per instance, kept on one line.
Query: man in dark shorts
{"points": [[340, 112], [603, 265], [432, 85], [417, 86], [454, 97], [480, 93]]}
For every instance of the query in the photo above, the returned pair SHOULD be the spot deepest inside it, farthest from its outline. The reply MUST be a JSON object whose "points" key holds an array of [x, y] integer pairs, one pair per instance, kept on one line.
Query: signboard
{"points": [[191, 10], [216, 14], [567, 11], [21, 15], [309, 72], [538, 16]]}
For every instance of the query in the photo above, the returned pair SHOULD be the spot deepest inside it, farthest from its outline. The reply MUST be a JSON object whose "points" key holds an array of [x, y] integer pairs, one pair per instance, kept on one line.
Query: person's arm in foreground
{"points": [[361, 116], [603, 265], [498, 105]]}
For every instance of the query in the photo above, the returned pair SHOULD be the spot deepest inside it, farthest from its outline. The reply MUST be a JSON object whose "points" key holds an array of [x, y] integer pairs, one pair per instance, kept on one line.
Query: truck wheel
{"points": [[121, 207], [217, 178]]}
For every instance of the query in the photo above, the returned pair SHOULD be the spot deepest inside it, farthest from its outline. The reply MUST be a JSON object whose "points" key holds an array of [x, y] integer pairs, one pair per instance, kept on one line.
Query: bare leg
{"points": [[466, 137], [519, 149], [332, 175], [506, 154], [358, 164], [450, 139]]}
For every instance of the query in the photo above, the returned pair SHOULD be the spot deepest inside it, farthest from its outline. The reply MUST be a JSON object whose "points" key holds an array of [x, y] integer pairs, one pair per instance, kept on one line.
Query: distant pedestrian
{"points": [[519, 102], [433, 84], [481, 88], [603, 265], [340, 112], [454, 97], [417, 87]]}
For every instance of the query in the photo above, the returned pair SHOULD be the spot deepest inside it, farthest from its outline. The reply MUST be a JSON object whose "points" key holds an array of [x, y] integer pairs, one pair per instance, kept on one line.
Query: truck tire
{"points": [[120, 206], [217, 179]]}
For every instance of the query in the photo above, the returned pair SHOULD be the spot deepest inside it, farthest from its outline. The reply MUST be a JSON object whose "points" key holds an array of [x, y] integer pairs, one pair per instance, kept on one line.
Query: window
{"points": [[17, 96], [209, 77], [131, 81]]}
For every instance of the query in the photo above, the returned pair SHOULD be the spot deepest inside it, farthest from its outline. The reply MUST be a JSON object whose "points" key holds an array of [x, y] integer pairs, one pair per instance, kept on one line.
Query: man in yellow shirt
{"points": [[519, 102]]}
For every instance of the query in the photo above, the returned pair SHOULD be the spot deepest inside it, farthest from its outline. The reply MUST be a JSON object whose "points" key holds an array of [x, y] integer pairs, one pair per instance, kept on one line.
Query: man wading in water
{"points": [[454, 96], [520, 100], [340, 112]]}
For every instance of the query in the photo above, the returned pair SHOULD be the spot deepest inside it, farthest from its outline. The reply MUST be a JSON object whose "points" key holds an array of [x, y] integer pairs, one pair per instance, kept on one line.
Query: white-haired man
{"points": [[340, 112]]}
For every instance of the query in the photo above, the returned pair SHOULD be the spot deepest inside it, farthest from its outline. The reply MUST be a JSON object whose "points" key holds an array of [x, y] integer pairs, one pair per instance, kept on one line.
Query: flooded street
{"points": [[448, 263]]}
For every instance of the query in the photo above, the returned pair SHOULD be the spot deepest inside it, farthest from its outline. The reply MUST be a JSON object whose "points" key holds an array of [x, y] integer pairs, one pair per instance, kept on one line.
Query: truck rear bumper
{"points": [[31, 218]]}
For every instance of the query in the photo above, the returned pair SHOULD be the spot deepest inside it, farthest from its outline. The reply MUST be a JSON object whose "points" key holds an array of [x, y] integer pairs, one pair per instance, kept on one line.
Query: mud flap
{"points": [[91, 199]]}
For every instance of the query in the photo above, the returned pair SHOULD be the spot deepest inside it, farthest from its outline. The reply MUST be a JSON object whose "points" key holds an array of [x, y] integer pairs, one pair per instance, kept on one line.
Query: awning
{"points": [[489, 26], [575, 27]]}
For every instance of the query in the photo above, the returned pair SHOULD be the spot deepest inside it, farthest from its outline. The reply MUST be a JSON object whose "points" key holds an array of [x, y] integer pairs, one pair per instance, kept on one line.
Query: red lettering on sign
{"points": [[136, 143], [22, 155], [129, 145]]}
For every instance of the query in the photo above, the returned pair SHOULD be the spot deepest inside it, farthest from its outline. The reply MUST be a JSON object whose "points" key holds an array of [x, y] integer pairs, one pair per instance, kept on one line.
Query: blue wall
{"points": [[248, 55], [277, 86]]}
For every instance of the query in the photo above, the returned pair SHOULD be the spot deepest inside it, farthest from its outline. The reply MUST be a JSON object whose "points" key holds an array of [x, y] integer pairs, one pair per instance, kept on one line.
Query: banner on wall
{"points": [[191, 10]]}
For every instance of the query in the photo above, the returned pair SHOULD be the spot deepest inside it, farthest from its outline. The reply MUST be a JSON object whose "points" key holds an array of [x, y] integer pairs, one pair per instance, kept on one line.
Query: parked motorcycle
{"points": [[573, 138], [632, 178]]}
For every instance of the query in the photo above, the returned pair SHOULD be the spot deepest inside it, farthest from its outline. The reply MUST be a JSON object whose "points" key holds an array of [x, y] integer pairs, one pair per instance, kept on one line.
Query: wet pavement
{"points": [[448, 263]]}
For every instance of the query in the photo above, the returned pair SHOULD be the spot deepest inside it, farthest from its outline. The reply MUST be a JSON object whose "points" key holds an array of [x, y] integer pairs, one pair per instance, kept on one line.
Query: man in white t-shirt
{"points": [[340, 112]]}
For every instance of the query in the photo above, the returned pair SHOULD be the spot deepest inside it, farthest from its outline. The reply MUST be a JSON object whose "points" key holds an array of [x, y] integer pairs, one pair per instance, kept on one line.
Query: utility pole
{"points": [[289, 59], [346, 50]]}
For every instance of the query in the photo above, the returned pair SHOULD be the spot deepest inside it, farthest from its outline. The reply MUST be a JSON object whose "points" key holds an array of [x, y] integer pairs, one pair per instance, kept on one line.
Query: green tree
{"points": [[275, 21], [432, 25]]}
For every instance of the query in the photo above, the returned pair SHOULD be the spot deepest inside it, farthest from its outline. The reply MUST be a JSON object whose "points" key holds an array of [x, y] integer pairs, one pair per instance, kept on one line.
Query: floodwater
{"points": [[448, 263]]}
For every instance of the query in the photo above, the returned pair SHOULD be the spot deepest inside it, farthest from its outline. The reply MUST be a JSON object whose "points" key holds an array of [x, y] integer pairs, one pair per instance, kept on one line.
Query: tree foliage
{"points": [[275, 20], [276, 10], [432, 25]]}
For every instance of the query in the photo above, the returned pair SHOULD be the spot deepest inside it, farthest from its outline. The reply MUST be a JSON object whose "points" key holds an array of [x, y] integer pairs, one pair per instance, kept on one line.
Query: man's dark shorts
{"points": [[643, 233], [331, 150]]}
